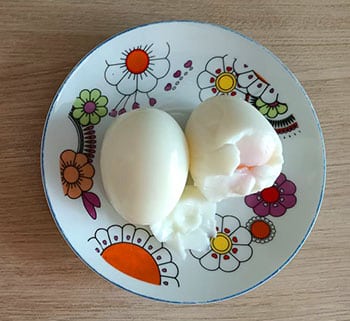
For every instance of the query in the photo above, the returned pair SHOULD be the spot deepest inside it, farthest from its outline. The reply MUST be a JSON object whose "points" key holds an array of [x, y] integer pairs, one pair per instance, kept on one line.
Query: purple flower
{"points": [[274, 200]]}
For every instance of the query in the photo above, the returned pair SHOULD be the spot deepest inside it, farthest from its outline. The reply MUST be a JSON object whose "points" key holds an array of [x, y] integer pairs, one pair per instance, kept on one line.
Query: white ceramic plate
{"points": [[174, 66]]}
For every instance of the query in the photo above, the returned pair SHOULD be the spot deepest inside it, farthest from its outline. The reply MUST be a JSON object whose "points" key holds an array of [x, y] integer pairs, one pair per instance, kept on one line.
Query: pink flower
{"points": [[274, 200]]}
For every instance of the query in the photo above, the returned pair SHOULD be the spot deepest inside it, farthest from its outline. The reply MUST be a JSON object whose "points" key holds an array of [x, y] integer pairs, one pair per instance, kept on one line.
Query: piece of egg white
{"points": [[234, 151], [190, 225], [144, 165]]}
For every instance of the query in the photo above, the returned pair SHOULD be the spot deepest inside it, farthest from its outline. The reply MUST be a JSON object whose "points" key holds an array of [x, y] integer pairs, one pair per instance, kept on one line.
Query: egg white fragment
{"points": [[144, 165], [234, 151], [190, 225]]}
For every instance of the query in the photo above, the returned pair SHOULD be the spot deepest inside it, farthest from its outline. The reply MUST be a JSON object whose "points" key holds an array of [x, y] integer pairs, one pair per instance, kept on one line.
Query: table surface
{"points": [[41, 278]]}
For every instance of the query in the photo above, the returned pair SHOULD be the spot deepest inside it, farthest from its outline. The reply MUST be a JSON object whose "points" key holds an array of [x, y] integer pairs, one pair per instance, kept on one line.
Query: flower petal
{"points": [[128, 233], [262, 209], [140, 237], [215, 65], [162, 256], [269, 95], [280, 179], [241, 67], [207, 93], [264, 109], [68, 157], [74, 191], [288, 187], [78, 103], [85, 95], [259, 103], [65, 187], [94, 118], [272, 113], [205, 79], [252, 200], [246, 79], [127, 85], [80, 160], [288, 201], [152, 245], [209, 261], [169, 281], [159, 67], [101, 101], [77, 113], [95, 94], [114, 73], [87, 171], [229, 61], [242, 252], [230, 224], [115, 234], [257, 88], [198, 254], [85, 183], [101, 111], [94, 245], [102, 238], [84, 120], [146, 82], [276, 209], [282, 108], [156, 52], [241, 236], [228, 263], [168, 269]]}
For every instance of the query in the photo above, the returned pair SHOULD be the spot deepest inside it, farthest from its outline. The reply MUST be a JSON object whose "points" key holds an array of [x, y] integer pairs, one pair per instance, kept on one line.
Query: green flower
{"points": [[271, 110], [89, 107]]}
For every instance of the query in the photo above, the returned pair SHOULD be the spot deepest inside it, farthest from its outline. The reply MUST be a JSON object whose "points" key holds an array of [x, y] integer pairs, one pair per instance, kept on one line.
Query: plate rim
{"points": [[295, 79]]}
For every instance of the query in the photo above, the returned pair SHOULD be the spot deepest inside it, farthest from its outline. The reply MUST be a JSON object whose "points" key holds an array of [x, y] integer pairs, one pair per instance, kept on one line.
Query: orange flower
{"points": [[76, 173]]}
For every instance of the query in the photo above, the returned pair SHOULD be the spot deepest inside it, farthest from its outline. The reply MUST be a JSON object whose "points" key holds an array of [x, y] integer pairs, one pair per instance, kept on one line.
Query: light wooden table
{"points": [[40, 41]]}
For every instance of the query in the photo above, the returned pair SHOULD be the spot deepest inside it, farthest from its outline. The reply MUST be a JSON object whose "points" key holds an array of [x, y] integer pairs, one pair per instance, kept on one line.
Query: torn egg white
{"points": [[190, 225], [234, 151]]}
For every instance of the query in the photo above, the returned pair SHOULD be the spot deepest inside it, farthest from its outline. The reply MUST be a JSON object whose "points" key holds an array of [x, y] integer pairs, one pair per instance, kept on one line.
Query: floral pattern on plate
{"points": [[76, 168], [261, 229], [274, 200], [226, 76], [136, 74], [135, 252], [229, 248]]}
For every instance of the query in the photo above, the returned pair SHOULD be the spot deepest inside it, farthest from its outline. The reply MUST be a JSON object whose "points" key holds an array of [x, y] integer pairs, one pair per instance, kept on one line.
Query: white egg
{"points": [[234, 151], [144, 165], [190, 225]]}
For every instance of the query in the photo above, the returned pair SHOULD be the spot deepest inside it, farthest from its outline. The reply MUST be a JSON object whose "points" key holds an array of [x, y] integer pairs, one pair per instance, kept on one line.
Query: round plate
{"points": [[174, 66]]}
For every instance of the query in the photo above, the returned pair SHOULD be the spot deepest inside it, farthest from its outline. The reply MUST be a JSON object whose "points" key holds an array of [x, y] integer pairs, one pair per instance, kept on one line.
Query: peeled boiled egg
{"points": [[144, 165], [190, 225], [234, 151]]}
